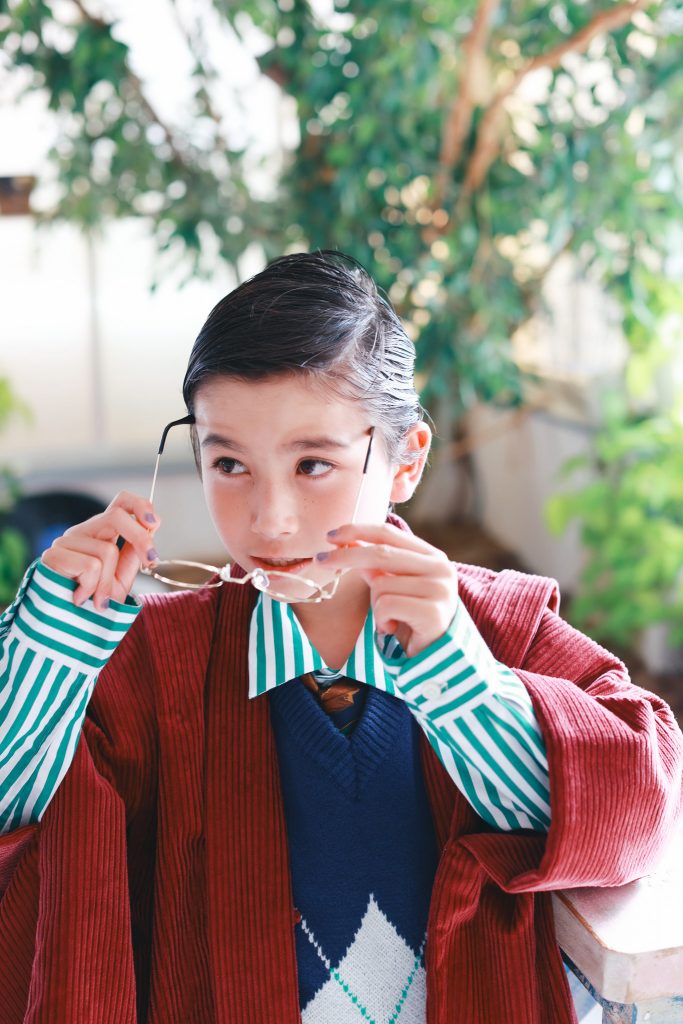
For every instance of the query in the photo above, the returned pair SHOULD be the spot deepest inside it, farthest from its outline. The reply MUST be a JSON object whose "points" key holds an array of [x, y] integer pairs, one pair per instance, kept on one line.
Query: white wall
{"points": [[518, 468], [46, 350], [48, 340]]}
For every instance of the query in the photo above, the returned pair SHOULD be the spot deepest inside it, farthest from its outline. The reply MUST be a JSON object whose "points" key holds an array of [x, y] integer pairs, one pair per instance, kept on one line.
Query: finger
{"points": [[141, 508], [442, 590], [426, 612], [113, 584], [117, 580], [416, 610], [107, 554], [380, 533], [387, 558], [127, 569], [113, 523], [96, 577], [97, 573], [83, 567], [394, 611]]}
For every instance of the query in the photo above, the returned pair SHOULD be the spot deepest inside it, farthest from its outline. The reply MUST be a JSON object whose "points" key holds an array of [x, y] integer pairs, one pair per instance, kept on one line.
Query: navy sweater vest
{"points": [[363, 857]]}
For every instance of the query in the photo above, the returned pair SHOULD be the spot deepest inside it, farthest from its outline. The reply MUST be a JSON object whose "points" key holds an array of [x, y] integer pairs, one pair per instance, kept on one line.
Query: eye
{"points": [[315, 467], [229, 467]]}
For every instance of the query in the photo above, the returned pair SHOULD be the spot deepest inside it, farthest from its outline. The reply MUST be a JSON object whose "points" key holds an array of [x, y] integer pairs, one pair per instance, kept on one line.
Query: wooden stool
{"points": [[626, 943]]}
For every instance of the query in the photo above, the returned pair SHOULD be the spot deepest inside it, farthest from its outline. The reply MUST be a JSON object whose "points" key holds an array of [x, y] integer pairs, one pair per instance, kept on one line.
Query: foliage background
{"points": [[457, 148]]}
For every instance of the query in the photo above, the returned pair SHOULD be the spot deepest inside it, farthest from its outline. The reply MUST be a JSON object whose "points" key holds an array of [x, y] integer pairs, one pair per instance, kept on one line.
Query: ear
{"points": [[407, 475]]}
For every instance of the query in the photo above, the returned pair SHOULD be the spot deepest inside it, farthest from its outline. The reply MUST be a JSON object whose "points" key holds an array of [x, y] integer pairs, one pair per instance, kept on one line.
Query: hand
{"points": [[88, 553], [413, 585]]}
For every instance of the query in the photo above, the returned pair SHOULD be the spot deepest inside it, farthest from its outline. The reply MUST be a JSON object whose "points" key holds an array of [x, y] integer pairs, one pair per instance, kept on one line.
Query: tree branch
{"points": [[205, 72], [488, 138], [459, 119], [178, 156]]}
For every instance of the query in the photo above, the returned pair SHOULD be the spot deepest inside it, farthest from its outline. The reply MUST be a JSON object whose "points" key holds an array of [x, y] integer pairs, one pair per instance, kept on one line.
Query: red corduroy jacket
{"points": [[156, 888]]}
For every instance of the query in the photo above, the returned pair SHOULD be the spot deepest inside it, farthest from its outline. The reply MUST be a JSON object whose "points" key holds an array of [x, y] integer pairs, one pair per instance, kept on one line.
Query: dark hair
{"points": [[319, 314]]}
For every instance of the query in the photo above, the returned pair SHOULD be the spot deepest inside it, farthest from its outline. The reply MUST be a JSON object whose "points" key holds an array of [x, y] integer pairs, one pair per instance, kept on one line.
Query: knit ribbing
{"points": [[352, 760]]}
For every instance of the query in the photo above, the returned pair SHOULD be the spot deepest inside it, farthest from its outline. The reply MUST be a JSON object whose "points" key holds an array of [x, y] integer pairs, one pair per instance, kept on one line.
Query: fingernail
{"points": [[150, 517], [322, 555], [332, 533], [153, 555], [104, 603]]}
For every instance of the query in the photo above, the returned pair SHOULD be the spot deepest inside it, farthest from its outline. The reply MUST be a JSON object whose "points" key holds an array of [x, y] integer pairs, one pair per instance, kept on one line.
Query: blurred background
{"points": [[509, 171]]}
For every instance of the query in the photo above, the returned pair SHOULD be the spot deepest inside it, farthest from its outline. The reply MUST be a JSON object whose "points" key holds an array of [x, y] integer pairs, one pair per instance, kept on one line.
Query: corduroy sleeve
{"points": [[615, 757], [120, 727]]}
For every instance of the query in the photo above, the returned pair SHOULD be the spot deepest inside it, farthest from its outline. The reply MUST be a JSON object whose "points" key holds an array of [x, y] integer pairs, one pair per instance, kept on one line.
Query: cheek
{"points": [[224, 509]]}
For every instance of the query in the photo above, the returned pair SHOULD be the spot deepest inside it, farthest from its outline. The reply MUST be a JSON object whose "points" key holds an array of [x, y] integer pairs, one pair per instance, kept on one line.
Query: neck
{"points": [[333, 626]]}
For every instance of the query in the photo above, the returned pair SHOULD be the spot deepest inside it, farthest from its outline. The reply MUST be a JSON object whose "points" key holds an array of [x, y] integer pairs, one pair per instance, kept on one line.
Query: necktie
{"points": [[342, 700]]}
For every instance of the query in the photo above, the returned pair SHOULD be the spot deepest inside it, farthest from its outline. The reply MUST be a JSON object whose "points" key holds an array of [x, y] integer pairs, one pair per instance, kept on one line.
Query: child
{"points": [[342, 794]]}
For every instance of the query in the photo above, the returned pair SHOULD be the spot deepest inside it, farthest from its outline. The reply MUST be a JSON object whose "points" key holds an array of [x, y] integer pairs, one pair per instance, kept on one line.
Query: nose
{"points": [[274, 512]]}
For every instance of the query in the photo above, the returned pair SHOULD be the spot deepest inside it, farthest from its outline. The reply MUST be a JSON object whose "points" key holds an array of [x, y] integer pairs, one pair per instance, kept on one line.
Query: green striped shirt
{"points": [[475, 712]]}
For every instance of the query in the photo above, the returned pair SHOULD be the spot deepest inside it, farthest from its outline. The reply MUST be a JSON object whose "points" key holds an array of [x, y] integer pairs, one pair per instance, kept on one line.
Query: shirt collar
{"points": [[279, 650]]}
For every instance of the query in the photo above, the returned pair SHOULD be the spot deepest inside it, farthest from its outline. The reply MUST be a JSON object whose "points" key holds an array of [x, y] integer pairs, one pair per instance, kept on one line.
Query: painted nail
{"points": [[322, 555], [150, 517], [332, 533], [104, 603], [153, 555]]}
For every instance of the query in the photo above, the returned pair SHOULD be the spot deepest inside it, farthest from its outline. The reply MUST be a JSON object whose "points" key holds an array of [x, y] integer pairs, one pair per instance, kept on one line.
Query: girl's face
{"points": [[282, 463]]}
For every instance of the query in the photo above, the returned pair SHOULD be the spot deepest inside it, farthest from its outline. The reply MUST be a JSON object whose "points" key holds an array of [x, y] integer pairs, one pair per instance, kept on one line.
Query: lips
{"points": [[281, 565]]}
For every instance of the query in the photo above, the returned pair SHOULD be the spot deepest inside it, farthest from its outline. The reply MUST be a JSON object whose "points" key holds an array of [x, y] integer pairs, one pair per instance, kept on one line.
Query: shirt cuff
{"points": [[84, 637], [453, 675], [8, 615]]}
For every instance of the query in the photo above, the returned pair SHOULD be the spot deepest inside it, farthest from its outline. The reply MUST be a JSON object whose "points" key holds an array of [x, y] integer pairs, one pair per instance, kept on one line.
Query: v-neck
{"points": [[350, 760]]}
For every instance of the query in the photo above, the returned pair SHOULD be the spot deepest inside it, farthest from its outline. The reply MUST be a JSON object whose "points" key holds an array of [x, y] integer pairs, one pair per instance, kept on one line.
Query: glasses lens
{"points": [[187, 575], [285, 586]]}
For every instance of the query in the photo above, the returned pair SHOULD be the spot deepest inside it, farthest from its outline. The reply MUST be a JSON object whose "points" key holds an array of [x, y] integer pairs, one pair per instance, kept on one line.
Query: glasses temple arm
{"points": [[174, 423], [362, 481], [189, 419]]}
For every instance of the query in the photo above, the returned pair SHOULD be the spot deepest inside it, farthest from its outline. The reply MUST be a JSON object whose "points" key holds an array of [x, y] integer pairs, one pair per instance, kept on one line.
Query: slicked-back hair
{"points": [[317, 314]]}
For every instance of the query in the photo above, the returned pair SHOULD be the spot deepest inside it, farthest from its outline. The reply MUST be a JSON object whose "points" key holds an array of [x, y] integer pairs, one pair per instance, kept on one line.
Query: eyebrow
{"points": [[322, 441]]}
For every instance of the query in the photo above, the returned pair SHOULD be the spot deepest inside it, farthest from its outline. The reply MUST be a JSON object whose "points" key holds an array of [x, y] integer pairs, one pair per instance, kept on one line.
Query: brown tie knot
{"points": [[334, 697]]}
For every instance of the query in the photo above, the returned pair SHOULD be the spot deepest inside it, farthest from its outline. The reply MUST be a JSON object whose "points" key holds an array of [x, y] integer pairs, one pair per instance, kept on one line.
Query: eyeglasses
{"points": [[283, 586]]}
